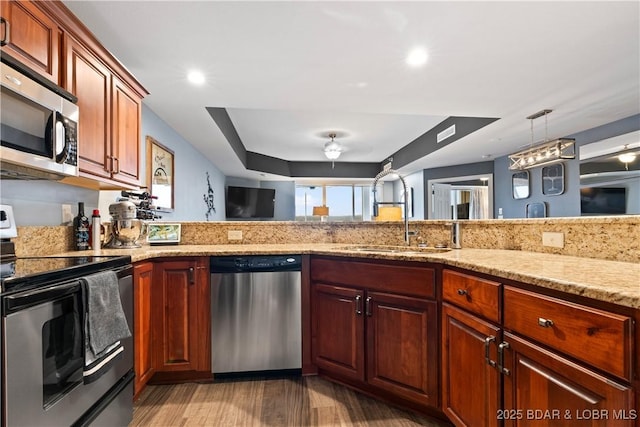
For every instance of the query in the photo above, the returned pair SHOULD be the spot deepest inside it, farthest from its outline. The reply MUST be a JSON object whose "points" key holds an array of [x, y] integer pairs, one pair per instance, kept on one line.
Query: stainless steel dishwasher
{"points": [[256, 314]]}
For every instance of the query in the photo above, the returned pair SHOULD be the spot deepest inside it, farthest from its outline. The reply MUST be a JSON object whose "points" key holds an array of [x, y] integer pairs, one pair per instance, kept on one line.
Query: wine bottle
{"points": [[81, 229]]}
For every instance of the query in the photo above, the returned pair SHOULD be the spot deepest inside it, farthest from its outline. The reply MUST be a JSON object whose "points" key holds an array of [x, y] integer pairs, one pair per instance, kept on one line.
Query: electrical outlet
{"points": [[554, 240], [67, 215], [234, 235]]}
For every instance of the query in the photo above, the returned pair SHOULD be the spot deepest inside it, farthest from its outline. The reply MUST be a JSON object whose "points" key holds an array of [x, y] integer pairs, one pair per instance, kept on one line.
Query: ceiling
{"points": [[289, 73]]}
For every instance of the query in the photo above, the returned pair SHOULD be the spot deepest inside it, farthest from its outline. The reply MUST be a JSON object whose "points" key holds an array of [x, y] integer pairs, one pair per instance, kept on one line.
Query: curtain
{"points": [[479, 203]]}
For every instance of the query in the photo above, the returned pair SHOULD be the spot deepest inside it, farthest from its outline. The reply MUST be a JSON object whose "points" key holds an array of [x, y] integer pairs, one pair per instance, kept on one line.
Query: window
{"points": [[345, 202]]}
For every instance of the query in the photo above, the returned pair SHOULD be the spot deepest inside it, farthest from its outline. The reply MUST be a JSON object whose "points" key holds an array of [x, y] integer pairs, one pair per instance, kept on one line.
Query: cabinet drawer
{"points": [[598, 337], [477, 295], [417, 281]]}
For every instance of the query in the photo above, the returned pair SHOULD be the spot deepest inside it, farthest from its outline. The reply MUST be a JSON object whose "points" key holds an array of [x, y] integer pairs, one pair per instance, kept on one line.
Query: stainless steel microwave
{"points": [[39, 128]]}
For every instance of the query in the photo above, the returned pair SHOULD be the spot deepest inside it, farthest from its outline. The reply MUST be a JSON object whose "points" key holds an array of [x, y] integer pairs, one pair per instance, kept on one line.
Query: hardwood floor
{"points": [[291, 401]]}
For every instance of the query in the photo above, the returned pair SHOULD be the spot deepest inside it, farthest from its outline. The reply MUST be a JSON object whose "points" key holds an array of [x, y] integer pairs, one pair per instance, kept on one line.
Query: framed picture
{"points": [[160, 172], [163, 234], [553, 179], [520, 185]]}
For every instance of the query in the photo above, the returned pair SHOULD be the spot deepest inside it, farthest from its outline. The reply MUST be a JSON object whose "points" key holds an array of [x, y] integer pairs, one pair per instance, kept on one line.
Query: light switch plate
{"points": [[554, 240], [234, 235]]}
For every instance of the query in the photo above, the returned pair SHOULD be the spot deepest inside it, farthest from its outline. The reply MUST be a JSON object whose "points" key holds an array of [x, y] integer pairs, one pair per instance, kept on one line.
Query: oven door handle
{"points": [[27, 299]]}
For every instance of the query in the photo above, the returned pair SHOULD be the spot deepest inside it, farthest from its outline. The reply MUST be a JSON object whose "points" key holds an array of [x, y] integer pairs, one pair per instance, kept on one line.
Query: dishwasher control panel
{"points": [[255, 263]]}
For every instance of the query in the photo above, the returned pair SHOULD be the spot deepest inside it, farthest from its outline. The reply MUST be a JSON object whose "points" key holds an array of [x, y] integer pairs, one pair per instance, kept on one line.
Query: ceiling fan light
{"points": [[627, 157], [332, 149]]}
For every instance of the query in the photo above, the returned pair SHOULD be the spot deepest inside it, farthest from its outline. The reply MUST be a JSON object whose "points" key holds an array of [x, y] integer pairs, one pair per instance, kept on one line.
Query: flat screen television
{"points": [[603, 200], [247, 202]]}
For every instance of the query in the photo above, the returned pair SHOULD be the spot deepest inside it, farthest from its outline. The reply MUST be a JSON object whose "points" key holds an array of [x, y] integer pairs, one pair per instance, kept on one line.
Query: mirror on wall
{"points": [[463, 197], [520, 185], [610, 176]]}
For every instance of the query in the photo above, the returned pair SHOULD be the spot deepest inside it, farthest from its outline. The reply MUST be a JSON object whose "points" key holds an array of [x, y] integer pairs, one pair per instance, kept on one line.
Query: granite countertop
{"points": [[611, 281]]}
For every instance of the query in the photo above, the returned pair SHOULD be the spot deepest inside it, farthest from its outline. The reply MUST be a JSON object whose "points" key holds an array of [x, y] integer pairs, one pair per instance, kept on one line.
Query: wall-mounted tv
{"points": [[603, 200], [247, 202]]}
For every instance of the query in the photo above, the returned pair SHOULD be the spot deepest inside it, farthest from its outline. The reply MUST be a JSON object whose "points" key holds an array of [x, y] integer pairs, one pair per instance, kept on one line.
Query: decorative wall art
{"points": [[160, 173], [163, 234], [553, 180], [208, 199]]}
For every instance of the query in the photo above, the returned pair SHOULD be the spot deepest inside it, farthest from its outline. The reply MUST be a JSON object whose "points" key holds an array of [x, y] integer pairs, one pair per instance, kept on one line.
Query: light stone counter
{"points": [[611, 281]]}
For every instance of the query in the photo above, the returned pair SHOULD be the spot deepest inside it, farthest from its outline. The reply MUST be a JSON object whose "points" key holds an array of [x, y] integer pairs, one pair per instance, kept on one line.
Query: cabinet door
{"points": [[549, 390], [337, 330], [126, 111], [402, 346], [90, 81], [143, 360], [176, 299], [31, 37], [470, 383]]}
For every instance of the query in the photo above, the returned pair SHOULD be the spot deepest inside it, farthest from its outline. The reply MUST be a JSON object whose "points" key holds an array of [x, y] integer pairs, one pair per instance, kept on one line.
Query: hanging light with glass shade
{"points": [[544, 154], [332, 149]]}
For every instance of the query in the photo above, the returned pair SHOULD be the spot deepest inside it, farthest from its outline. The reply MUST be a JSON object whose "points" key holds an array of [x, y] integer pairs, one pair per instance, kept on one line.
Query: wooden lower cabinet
{"points": [[143, 354], [337, 329], [544, 389], [402, 351], [181, 315], [471, 391], [386, 342]]}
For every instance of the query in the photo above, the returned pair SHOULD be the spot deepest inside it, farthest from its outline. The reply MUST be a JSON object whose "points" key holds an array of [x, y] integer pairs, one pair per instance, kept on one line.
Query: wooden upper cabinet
{"points": [[90, 81], [126, 116], [32, 37], [110, 117]]}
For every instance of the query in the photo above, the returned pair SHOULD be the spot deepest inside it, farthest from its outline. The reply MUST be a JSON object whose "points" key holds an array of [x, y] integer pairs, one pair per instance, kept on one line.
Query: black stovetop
{"points": [[32, 272]]}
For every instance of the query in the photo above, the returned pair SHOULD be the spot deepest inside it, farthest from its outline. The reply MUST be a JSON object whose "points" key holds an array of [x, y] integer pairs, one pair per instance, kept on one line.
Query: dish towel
{"points": [[104, 325]]}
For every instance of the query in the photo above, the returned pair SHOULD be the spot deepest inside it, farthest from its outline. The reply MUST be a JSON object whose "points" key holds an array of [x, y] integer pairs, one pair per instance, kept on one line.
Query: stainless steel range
{"points": [[45, 369]]}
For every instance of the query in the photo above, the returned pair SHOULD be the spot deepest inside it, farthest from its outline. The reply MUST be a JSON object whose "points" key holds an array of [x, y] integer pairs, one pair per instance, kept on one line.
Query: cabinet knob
{"points": [[462, 292], [545, 323]]}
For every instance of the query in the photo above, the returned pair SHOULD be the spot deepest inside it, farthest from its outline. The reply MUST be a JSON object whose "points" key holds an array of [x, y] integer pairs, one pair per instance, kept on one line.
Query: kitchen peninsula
{"points": [[519, 315]]}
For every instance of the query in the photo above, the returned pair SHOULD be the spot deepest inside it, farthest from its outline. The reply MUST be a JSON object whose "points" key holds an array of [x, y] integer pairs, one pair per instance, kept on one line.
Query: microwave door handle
{"points": [[60, 143]]}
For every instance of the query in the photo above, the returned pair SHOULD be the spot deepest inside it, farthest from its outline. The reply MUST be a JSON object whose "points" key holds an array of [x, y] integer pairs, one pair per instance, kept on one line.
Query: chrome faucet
{"points": [[376, 202]]}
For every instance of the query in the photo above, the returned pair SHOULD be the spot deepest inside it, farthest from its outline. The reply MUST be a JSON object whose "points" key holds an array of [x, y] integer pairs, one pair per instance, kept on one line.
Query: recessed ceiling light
{"points": [[195, 77], [417, 57]]}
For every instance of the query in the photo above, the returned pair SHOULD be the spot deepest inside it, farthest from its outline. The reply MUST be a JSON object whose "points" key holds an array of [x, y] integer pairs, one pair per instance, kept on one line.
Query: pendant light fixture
{"points": [[547, 153]]}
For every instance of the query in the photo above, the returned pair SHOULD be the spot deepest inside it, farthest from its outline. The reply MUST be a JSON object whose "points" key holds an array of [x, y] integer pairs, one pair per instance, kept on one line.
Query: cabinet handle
{"points": [[462, 292], [367, 306], [501, 367], [192, 278], [358, 304], [5, 36], [545, 323], [487, 357], [116, 161]]}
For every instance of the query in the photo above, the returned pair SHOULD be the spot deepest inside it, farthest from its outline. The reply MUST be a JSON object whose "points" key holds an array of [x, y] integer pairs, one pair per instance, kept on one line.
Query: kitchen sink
{"points": [[399, 249]]}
